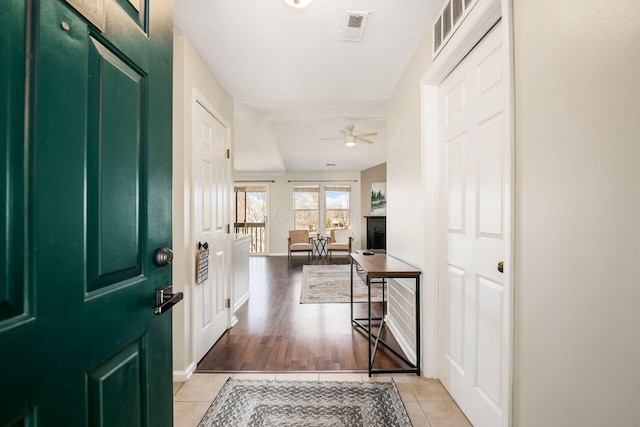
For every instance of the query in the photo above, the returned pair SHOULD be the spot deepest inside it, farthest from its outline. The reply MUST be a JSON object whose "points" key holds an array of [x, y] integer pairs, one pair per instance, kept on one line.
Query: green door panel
{"points": [[86, 167], [115, 389], [12, 105], [16, 308], [116, 181]]}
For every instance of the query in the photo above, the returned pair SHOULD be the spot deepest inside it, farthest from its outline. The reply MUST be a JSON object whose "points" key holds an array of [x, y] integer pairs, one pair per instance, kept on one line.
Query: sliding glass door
{"points": [[251, 209]]}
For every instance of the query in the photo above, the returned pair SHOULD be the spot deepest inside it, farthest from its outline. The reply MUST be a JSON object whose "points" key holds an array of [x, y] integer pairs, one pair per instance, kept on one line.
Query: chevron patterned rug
{"points": [[332, 283], [259, 403]]}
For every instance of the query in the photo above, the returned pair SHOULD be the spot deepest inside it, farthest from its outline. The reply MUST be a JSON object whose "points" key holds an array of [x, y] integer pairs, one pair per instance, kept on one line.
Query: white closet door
{"points": [[472, 297]]}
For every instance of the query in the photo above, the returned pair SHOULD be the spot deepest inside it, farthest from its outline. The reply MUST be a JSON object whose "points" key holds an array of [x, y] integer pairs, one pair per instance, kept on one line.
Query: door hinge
{"points": [[228, 303], [228, 228], [228, 153]]}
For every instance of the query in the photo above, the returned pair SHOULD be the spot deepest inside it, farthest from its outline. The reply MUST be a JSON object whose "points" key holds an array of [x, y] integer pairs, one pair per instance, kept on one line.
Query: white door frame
{"points": [[480, 20], [199, 98]]}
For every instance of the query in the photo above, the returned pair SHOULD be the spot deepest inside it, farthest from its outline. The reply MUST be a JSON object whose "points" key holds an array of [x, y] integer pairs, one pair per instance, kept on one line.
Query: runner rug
{"points": [[331, 283], [259, 403]]}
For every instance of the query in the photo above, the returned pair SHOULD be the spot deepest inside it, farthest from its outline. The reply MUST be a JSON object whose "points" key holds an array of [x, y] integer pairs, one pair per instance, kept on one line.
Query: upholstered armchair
{"points": [[299, 241], [340, 240]]}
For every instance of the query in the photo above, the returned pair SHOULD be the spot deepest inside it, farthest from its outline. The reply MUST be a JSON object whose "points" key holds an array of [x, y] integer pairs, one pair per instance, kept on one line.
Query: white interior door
{"points": [[211, 207], [473, 315]]}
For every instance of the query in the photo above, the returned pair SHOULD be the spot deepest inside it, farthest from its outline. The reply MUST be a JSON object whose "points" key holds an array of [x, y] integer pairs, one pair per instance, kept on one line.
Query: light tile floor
{"points": [[427, 402]]}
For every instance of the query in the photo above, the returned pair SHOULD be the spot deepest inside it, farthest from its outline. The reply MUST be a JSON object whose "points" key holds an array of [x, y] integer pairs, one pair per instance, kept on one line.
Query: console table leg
{"points": [[370, 362]]}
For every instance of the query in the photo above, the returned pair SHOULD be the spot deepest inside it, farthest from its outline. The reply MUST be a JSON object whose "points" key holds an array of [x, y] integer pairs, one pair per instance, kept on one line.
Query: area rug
{"points": [[331, 283], [259, 403]]}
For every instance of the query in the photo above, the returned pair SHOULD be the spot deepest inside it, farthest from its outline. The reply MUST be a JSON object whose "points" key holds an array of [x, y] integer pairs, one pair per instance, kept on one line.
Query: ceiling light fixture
{"points": [[298, 4], [350, 141]]}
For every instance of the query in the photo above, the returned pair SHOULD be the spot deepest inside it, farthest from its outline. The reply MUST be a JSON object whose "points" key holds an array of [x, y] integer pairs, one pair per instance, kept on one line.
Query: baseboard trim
{"points": [[243, 299], [183, 376], [233, 322]]}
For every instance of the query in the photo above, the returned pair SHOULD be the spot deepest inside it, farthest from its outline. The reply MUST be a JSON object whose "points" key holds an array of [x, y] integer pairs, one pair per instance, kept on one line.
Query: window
{"points": [[306, 208], [336, 207]]}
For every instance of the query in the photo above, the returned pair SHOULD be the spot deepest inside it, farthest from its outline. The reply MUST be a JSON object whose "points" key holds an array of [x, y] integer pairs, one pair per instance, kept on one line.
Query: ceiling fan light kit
{"points": [[350, 138], [298, 4]]}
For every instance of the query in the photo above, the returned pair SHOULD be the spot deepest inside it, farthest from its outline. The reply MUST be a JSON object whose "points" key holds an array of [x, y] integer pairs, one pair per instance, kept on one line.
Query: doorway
{"points": [[472, 235], [210, 219], [467, 117]]}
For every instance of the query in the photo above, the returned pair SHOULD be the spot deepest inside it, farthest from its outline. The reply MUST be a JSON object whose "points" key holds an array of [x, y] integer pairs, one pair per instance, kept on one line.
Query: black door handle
{"points": [[165, 299]]}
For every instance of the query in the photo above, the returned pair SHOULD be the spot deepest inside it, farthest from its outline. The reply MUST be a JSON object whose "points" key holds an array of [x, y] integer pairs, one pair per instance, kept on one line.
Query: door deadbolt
{"points": [[164, 256]]}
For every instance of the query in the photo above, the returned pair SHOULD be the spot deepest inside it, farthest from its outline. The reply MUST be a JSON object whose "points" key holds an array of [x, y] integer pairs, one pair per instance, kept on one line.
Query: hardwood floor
{"points": [[276, 333]]}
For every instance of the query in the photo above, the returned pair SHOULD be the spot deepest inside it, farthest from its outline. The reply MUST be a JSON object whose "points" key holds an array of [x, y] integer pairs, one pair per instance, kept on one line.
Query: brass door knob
{"points": [[501, 266]]}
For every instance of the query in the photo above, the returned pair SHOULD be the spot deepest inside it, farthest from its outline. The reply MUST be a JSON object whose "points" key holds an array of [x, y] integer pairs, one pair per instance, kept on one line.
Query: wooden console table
{"points": [[382, 266]]}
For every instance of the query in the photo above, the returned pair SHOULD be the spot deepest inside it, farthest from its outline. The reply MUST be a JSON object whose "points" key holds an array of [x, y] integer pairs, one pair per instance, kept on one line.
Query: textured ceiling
{"points": [[295, 80]]}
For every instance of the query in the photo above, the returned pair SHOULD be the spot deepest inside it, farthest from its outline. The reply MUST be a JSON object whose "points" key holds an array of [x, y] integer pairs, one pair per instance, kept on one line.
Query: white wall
{"points": [[281, 202], [577, 200], [404, 156], [404, 196], [189, 72], [577, 75], [240, 270]]}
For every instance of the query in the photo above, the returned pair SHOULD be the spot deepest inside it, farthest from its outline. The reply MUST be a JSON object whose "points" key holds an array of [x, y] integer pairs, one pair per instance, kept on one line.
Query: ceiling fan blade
{"points": [[367, 134], [330, 139], [365, 140], [344, 132]]}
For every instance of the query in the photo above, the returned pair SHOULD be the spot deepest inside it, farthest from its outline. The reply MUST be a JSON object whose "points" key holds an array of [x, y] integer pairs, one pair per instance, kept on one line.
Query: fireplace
{"points": [[376, 232]]}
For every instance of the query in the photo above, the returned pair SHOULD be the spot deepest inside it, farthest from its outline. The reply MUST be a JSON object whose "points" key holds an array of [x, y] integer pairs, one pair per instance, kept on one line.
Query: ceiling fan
{"points": [[350, 139]]}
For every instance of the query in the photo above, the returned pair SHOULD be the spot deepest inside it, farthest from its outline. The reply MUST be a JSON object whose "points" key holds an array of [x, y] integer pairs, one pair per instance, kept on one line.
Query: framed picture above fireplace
{"points": [[379, 198]]}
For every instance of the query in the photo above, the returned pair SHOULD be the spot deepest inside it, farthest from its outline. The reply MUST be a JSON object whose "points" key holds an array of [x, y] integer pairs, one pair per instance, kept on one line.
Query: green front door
{"points": [[85, 127]]}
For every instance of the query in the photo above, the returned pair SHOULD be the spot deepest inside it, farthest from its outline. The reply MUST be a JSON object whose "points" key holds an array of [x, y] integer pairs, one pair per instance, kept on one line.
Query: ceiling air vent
{"points": [[449, 19], [354, 28]]}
